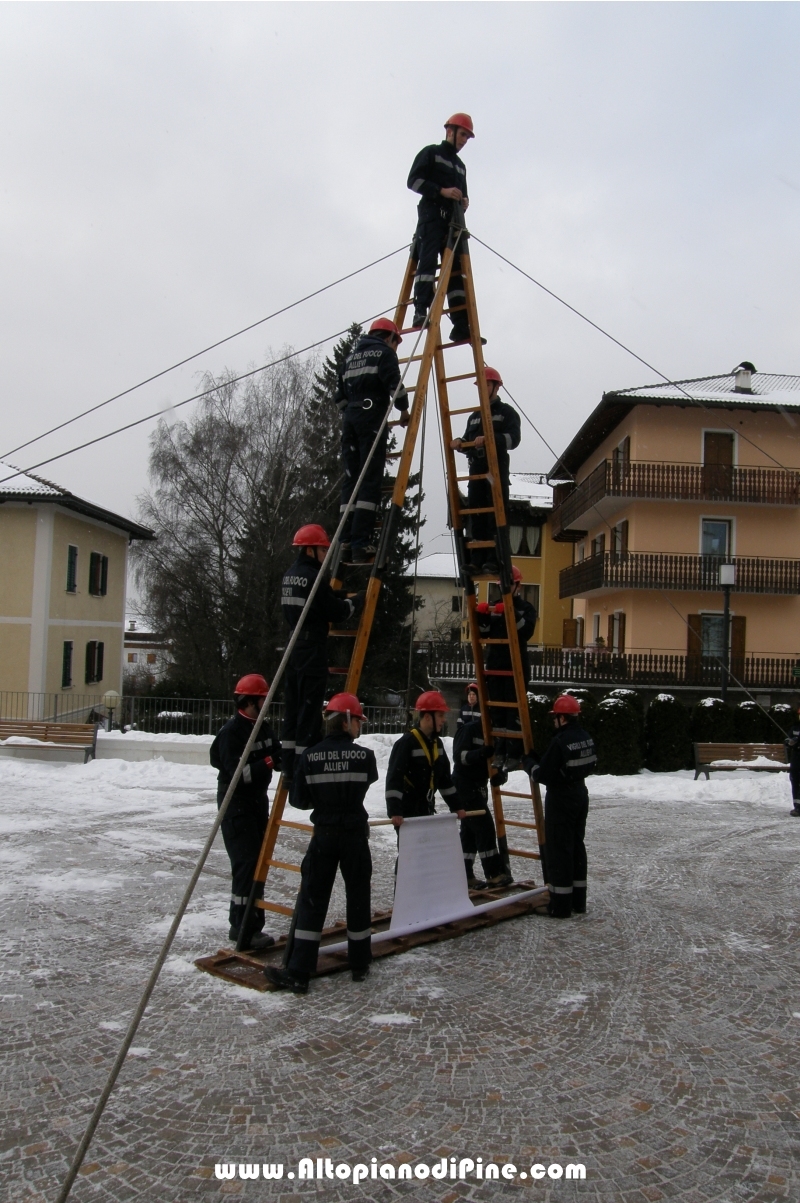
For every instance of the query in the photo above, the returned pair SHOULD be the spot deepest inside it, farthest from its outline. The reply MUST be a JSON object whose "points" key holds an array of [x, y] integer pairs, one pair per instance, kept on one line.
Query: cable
{"points": [[197, 354], [197, 397], [673, 383], [541, 436]]}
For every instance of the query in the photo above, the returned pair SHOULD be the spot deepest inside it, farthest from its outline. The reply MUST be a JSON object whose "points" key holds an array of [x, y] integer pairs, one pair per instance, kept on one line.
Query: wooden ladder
{"points": [[432, 360]]}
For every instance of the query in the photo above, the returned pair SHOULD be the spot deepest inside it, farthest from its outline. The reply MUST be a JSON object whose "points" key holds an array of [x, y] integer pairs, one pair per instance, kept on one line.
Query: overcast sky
{"points": [[172, 172]]}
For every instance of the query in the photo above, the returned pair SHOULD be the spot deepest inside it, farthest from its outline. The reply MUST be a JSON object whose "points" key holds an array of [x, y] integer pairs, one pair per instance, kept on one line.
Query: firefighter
{"points": [[563, 769], [418, 765], [792, 742], [368, 381], [245, 820], [507, 434], [307, 670], [332, 780], [470, 709], [440, 178], [499, 673], [470, 777]]}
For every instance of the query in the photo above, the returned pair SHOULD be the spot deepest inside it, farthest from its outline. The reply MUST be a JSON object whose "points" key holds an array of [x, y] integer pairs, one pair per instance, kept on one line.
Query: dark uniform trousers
{"points": [[794, 777], [304, 692], [243, 831], [429, 243], [332, 847], [478, 835], [565, 828], [479, 496], [360, 425]]}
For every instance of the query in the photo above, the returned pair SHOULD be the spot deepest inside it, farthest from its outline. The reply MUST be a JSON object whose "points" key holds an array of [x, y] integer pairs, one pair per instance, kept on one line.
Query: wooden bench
{"points": [[53, 736], [726, 758]]}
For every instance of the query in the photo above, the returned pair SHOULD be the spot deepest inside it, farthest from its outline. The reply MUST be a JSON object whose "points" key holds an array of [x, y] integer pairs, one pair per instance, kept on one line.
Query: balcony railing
{"points": [[573, 666], [659, 570], [674, 482]]}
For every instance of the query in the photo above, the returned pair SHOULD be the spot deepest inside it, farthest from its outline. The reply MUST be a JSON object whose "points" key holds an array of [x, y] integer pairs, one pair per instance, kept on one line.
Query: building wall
{"points": [[436, 614], [675, 527], [17, 546]]}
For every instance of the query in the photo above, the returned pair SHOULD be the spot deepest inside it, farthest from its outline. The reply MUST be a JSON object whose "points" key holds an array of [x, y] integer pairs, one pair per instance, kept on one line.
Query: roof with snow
{"points": [[768, 390], [531, 487], [35, 490], [439, 564]]}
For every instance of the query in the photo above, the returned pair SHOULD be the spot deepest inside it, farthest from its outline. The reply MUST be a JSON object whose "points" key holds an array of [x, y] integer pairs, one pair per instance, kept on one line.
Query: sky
{"points": [[174, 172]]}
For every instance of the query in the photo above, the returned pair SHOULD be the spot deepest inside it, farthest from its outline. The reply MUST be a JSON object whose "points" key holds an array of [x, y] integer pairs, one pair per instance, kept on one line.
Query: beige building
{"points": [[665, 492], [62, 590]]}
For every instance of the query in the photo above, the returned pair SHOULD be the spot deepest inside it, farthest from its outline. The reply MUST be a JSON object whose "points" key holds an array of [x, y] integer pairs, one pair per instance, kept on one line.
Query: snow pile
{"points": [[171, 737]]}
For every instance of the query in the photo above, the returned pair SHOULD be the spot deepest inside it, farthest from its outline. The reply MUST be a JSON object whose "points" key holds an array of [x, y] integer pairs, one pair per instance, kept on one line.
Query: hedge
{"points": [[713, 722], [668, 741], [616, 736], [752, 724]]}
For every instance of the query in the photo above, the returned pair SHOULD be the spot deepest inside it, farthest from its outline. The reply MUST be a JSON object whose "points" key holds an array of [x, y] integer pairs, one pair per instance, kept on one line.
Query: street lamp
{"points": [[111, 701], [727, 577]]}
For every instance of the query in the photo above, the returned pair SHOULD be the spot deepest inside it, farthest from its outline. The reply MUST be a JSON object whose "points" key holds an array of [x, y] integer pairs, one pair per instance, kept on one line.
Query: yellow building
{"points": [[666, 491], [62, 590]]}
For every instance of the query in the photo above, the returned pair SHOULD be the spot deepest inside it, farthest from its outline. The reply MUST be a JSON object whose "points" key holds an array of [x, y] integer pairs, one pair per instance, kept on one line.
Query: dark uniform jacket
{"points": [[470, 760], [226, 751], [506, 424], [492, 625], [369, 376], [468, 714], [418, 766], [434, 168], [327, 607], [792, 743], [333, 779], [566, 764]]}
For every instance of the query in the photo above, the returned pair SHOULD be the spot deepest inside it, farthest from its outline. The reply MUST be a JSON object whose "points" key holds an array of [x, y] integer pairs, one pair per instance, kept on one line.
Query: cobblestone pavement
{"points": [[655, 1040]]}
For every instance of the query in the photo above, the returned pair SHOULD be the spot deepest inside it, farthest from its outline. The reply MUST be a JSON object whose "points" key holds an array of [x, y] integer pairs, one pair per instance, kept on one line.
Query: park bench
{"points": [[726, 758], [52, 736]]}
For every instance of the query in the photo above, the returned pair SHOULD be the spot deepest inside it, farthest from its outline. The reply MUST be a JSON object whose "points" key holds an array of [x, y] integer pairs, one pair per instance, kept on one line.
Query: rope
{"points": [[130, 1035], [181, 362]]}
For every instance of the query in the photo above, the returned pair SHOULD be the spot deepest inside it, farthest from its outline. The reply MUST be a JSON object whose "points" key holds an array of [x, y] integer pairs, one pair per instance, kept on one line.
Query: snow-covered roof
{"points": [[29, 488], [439, 564], [531, 487]]}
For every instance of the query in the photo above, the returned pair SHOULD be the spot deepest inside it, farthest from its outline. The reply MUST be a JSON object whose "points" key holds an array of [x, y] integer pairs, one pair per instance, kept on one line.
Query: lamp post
{"points": [[110, 701], [727, 577]]}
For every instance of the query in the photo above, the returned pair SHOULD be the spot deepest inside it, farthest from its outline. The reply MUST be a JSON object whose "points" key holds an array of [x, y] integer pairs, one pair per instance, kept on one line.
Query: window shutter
{"points": [[72, 569], [738, 633], [103, 577], [694, 635], [620, 649], [66, 664], [622, 527], [98, 661], [625, 449], [90, 655], [93, 573], [610, 640], [569, 637]]}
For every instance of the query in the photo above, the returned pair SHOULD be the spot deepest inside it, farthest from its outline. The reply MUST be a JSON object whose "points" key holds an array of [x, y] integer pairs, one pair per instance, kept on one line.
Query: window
{"points": [[72, 569], [712, 635], [66, 664], [151, 656], [616, 632], [531, 594], [595, 627], [716, 537], [455, 606], [581, 552], [579, 632], [619, 538], [94, 661], [525, 540], [132, 657], [599, 545], [98, 574]]}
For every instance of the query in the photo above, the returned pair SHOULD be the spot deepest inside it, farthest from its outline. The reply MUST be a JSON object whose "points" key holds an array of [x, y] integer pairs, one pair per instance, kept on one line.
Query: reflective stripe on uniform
{"points": [[351, 373], [560, 889], [357, 935], [316, 936], [417, 185], [579, 761], [366, 505], [247, 775], [288, 744], [238, 900], [579, 885], [420, 752], [293, 601], [425, 279], [393, 793], [335, 778], [446, 792]]}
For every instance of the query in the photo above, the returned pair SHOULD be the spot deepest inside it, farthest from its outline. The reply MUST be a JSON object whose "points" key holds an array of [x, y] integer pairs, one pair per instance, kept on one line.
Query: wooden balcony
{"points": [[614, 483], [697, 574]]}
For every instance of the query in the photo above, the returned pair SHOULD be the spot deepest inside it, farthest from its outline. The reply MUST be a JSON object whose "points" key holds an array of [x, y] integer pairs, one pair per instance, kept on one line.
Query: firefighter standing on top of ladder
{"points": [[369, 378], [563, 769], [307, 670], [246, 817], [332, 779], [471, 777], [507, 434], [440, 178], [418, 765], [499, 673]]}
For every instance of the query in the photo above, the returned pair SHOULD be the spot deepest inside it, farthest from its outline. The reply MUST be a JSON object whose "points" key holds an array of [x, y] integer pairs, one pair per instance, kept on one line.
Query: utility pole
{"points": [[727, 577]]}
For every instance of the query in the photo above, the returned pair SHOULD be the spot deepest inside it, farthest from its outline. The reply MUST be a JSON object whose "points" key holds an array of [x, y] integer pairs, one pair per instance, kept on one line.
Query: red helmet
{"points": [[473, 685], [385, 325], [345, 703], [462, 121], [566, 704], [516, 575], [251, 685], [311, 535], [491, 375], [431, 700]]}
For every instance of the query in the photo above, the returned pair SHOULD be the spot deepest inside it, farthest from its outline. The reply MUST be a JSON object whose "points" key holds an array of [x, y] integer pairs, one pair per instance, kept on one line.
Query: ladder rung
{"points": [[297, 826], [510, 705], [527, 855], [341, 672], [517, 823], [510, 793], [470, 409], [344, 634], [506, 734], [396, 455], [480, 476], [410, 359], [282, 864], [278, 907], [481, 543], [486, 509], [495, 641], [463, 376]]}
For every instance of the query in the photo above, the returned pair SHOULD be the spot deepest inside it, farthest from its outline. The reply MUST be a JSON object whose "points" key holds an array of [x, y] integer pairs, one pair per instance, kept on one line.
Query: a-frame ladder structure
{"points": [[431, 361]]}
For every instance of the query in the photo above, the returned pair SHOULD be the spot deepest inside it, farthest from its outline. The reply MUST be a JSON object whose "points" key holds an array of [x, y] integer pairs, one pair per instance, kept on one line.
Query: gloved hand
{"points": [[358, 601], [405, 417], [269, 762], [483, 608], [499, 778], [529, 762], [499, 608], [488, 751]]}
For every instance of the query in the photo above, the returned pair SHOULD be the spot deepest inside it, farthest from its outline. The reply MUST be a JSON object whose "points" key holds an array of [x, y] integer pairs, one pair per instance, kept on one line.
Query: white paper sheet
{"points": [[431, 882]]}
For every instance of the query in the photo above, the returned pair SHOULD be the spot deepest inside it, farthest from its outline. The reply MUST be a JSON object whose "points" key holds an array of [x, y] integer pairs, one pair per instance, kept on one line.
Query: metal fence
{"points": [[180, 716]]}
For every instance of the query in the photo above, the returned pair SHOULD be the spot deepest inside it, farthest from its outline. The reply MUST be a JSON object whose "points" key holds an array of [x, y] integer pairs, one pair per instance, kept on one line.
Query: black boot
{"points": [[420, 317], [579, 900], [284, 979], [360, 975]]}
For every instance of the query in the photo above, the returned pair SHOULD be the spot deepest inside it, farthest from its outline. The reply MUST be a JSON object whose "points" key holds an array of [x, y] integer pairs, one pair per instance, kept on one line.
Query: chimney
{"points": [[743, 377], [132, 624]]}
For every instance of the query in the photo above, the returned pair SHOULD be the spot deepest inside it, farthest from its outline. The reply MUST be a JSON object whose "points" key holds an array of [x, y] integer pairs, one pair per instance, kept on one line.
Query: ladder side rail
{"points": [[407, 286]]}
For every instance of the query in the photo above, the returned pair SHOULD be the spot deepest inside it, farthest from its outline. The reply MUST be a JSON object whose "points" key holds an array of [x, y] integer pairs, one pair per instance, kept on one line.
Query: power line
{"points": [[673, 383], [197, 397], [197, 354]]}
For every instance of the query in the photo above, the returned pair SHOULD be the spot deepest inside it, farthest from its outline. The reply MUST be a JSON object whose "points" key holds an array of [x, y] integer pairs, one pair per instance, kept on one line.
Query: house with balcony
{"points": [[661, 487]]}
